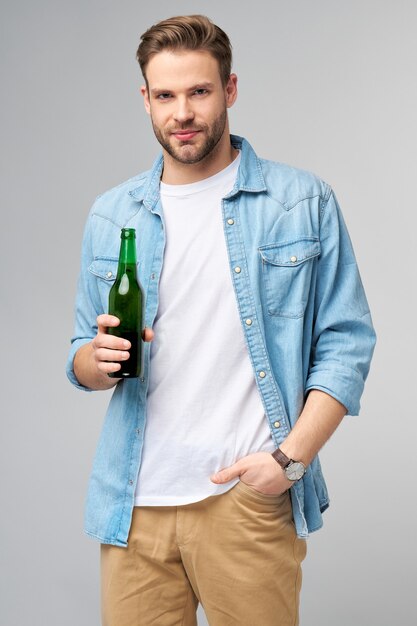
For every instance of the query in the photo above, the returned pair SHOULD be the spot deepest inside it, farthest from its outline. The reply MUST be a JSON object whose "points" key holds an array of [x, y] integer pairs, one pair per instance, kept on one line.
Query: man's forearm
{"points": [[87, 372], [319, 419]]}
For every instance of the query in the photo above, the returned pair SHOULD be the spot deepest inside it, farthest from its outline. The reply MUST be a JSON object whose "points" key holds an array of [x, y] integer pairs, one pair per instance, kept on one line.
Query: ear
{"points": [[231, 90], [145, 94]]}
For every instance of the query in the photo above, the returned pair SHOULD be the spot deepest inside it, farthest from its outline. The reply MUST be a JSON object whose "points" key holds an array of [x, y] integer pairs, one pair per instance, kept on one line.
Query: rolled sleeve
{"points": [[343, 334]]}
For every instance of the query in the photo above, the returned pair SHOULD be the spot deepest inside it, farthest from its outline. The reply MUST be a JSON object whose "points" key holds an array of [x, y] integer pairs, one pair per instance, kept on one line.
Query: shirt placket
{"points": [[268, 388]]}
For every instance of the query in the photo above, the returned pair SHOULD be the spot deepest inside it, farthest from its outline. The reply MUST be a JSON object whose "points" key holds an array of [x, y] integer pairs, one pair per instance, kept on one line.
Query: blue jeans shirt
{"points": [[295, 276]]}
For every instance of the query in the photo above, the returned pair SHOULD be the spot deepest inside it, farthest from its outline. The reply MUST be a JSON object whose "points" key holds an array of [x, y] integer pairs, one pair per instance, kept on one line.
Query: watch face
{"points": [[295, 471]]}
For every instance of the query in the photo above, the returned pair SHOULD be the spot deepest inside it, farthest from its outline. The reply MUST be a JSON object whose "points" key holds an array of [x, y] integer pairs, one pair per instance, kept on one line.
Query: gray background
{"points": [[327, 86]]}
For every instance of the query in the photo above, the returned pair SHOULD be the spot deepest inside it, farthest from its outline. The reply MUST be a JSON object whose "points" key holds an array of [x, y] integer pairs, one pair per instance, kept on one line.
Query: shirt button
{"points": [[293, 259], [277, 424], [237, 270], [130, 482], [230, 221], [262, 374], [109, 274], [249, 322]]}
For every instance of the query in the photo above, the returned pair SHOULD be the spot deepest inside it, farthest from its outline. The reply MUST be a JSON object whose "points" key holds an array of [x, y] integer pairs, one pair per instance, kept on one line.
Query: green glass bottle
{"points": [[126, 303]]}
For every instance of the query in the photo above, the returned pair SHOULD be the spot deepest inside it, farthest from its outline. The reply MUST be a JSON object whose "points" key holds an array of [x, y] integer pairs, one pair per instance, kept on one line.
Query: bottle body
{"points": [[126, 303]]}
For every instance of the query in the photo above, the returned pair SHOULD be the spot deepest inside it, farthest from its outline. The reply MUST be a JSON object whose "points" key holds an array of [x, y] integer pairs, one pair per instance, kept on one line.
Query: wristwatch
{"points": [[293, 470]]}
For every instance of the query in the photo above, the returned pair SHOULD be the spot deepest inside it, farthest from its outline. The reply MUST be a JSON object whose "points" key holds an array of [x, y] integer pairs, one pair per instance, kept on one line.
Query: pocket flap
{"points": [[105, 268], [290, 253]]}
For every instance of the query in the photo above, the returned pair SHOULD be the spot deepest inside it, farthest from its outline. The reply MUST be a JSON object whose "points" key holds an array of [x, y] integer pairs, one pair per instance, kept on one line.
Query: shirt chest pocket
{"points": [[105, 269], [286, 274]]}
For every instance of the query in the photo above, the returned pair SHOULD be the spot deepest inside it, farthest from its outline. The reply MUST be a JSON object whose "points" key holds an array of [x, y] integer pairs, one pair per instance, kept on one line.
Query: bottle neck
{"points": [[127, 256]]}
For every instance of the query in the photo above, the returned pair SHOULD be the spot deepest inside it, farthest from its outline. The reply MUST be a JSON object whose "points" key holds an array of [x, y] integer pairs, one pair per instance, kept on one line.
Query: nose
{"points": [[183, 112]]}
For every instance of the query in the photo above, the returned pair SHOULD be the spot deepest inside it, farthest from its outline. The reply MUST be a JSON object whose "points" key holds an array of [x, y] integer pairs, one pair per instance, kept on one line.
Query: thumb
{"points": [[148, 334], [105, 321], [224, 475]]}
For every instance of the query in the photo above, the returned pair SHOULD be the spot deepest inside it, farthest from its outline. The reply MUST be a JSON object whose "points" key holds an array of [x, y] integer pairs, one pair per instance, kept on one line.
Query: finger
{"points": [[104, 355], [148, 334], [105, 321], [112, 342], [227, 474], [108, 367]]}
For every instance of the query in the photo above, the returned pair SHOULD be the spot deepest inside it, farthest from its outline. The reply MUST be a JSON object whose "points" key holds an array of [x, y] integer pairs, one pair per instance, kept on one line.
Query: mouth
{"points": [[185, 135]]}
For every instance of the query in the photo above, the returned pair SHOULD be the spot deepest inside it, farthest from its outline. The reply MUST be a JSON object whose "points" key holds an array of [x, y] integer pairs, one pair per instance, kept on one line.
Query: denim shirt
{"points": [[295, 278]]}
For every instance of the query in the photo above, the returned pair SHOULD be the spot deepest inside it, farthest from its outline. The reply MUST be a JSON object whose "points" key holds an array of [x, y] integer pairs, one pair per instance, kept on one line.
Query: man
{"points": [[206, 480]]}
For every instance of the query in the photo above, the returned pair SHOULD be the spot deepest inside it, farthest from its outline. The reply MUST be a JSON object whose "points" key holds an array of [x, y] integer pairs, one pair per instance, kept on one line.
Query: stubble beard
{"points": [[188, 154]]}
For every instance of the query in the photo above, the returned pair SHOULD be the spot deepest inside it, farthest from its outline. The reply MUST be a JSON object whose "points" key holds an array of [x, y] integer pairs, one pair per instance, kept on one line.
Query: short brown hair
{"points": [[187, 32]]}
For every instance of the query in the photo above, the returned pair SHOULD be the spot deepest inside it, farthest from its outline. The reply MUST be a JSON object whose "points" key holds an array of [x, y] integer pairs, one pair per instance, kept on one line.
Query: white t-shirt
{"points": [[204, 411]]}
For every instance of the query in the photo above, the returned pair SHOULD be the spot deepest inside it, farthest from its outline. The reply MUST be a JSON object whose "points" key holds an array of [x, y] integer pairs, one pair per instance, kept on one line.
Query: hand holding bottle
{"points": [[103, 354], [109, 350]]}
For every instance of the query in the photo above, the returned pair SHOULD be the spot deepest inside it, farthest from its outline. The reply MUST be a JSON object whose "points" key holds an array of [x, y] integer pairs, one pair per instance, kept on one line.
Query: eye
{"points": [[201, 91], [163, 96]]}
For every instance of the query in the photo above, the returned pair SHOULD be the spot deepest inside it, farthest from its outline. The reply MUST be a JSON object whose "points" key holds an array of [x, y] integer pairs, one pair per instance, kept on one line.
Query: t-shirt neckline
{"points": [[229, 172]]}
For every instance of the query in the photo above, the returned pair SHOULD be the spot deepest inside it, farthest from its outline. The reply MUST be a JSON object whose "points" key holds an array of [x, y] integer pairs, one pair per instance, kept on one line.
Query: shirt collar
{"points": [[249, 177]]}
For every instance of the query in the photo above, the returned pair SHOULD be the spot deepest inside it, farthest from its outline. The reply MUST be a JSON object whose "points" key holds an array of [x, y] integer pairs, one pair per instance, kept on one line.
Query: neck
{"points": [[177, 173]]}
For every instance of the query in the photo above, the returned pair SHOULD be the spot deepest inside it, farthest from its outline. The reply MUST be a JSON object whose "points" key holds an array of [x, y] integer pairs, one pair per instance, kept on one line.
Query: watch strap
{"points": [[281, 458]]}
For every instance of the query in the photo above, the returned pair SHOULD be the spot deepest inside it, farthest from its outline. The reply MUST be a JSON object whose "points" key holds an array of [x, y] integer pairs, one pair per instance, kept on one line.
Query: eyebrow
{"points": [[207, 85]]}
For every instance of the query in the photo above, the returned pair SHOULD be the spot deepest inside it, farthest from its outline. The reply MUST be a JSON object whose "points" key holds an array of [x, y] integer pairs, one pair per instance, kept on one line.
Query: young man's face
{"points": [[188, 103]]}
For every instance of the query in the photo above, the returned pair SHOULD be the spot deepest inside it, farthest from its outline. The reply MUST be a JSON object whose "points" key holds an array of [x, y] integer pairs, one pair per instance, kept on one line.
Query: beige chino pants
{"points": [[237, 553]]}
